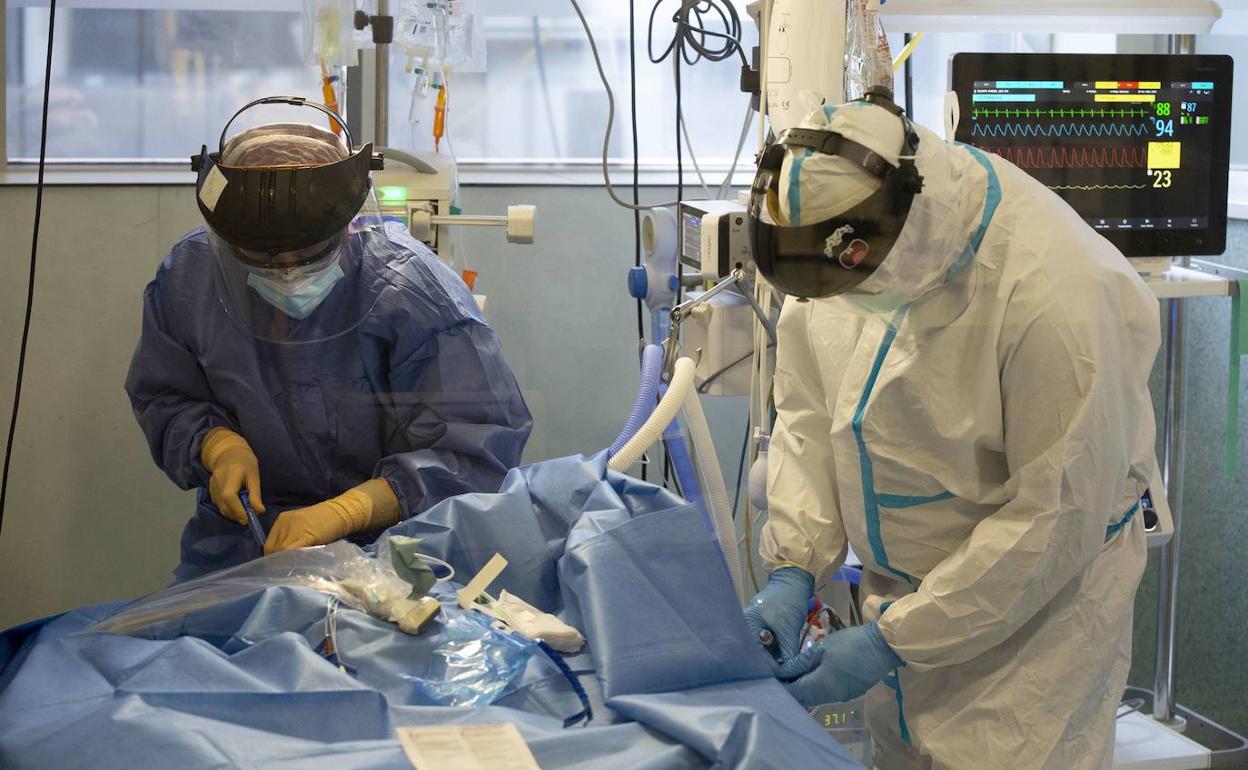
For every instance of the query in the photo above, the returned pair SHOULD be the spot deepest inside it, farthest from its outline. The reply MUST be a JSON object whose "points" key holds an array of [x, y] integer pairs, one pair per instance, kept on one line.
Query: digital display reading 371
{"points": [[1138, 145]]}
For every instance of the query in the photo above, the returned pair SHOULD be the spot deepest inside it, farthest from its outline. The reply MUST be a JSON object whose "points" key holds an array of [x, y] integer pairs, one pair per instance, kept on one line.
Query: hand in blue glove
{"points": [[843, 666], [780, 609]]}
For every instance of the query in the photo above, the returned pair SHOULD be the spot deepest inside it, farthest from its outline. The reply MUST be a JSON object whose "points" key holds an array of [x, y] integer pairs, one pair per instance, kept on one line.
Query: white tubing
{"points": [[679, 387], [713, 490]]}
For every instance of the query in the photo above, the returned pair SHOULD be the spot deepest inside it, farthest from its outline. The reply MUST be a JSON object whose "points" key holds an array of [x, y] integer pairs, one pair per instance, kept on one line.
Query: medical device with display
{"points": [[1139, 145], [714, 236]]}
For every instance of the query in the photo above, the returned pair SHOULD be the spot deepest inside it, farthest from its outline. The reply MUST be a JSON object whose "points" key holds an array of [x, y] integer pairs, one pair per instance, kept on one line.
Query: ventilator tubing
{"points": [[664, 413], [715, 494], [691, 485], [643, 406], [683, 466], [716, 511]]}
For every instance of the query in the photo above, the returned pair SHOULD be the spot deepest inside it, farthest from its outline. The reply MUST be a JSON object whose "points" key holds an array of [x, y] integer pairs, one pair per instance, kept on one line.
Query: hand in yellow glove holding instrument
{"points": [[370, 505], [234, 468]]}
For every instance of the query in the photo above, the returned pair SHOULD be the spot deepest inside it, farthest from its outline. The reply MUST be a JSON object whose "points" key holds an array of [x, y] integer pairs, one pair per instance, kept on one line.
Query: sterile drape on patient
{"points": [[672, 675]]}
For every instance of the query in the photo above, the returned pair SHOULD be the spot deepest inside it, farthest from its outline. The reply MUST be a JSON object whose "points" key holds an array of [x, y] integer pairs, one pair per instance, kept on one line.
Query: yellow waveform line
{"points": [[1086, 187]]}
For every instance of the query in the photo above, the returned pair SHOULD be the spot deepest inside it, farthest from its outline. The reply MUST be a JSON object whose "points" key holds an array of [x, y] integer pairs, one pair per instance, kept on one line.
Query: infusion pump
{"points": [[417, 190], [714, 237]]}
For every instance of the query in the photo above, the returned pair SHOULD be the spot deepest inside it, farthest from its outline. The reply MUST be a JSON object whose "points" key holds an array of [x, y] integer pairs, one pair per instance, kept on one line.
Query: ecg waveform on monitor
{"points": [[1062, 129], [1100, 112], [1074, 157]]}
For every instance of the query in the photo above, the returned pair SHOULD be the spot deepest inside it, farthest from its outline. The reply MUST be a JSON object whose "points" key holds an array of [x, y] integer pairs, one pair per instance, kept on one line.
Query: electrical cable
{"points": [[669, 472], [736, 157], [908, 79], [745, 446], [761, 394], [606, 139], [691, 38], [690, 41], [680, 169], [1131, 705], [680, 195], [632, 92], [30, 284], [684, 131], [710, 379], [685, 36], [541, 74]]}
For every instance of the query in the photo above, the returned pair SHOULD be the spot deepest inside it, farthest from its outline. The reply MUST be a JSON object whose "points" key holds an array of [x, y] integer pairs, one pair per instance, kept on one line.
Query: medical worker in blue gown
{"points": [[962, 395], [303, 351]]}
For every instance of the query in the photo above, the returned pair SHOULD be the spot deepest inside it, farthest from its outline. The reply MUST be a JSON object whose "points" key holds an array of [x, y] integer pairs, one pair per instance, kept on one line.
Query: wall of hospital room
{"points": [[1212, 600], [90, 518]]}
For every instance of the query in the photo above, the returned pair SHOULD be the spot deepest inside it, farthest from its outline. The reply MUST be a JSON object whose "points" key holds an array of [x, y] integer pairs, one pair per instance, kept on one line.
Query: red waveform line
{"points": [[1074, 157]]}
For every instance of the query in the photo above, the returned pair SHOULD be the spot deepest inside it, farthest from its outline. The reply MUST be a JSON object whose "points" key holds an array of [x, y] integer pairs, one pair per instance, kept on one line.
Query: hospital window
{"points": [[147, 81], [143, 84]]}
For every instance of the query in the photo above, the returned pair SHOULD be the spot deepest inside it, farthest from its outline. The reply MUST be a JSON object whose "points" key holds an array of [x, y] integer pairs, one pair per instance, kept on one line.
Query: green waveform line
{"points": [[1087, 187], [1007, 112]]}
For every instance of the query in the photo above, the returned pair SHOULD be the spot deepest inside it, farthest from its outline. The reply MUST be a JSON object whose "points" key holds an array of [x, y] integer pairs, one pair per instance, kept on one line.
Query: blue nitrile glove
{"points": [[778, 612], [843, 666]]}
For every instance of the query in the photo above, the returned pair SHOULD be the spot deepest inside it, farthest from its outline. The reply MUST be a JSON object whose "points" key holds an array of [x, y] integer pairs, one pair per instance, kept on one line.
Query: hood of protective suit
{"points": [[936, 241]]}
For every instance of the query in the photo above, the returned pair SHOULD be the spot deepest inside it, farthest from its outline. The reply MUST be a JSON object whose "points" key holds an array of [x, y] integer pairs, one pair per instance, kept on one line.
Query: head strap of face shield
{"points": [[832, 143], [905, 175], [294, 101], [376, 161], [911, 180]]}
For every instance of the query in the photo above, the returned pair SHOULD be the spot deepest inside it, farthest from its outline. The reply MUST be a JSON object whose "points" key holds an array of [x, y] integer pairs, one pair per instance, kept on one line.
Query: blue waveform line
{"points": [[1063, 129]]}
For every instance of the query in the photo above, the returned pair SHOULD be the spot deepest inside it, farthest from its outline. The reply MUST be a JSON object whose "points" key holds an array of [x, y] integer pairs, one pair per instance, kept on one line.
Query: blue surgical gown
{"points": [[418, 394]]}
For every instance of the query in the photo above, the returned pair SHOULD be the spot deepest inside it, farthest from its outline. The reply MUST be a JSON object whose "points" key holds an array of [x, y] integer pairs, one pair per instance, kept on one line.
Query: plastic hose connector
{"points": [[638, 282]]}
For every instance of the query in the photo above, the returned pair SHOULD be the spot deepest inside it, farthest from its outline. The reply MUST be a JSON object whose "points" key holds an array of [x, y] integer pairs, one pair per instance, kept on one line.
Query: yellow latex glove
{"points": [[371, 505], [228, 457]]}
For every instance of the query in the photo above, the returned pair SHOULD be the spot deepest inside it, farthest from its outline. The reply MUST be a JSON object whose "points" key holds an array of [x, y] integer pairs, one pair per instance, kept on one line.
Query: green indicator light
{"points": [[393, 194]]}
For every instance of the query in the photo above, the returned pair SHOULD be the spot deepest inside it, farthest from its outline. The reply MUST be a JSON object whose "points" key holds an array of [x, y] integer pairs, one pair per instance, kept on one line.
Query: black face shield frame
{"points": [[839, 253], [264, 210]]}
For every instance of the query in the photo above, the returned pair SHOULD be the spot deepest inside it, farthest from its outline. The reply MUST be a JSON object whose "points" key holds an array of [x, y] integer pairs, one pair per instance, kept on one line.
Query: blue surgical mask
{"points": [[293, 292]]}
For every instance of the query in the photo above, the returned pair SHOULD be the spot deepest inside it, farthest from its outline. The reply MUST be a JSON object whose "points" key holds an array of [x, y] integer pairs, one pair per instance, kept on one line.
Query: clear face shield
{"points": [[292, 216], [838, 254], [309, 295]]}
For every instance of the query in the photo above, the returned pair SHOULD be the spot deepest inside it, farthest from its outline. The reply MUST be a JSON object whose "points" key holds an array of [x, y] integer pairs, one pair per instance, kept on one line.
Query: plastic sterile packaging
{"points": [[472, 664], [340, 569], [459, 661]]}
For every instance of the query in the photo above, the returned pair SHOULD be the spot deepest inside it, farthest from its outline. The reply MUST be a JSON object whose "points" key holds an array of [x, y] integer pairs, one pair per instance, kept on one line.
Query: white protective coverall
{"points": [[982, 442]]}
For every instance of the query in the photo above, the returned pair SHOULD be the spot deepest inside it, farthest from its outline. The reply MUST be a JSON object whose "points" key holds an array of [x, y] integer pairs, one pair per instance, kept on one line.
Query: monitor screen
{"points": [[1138, 144]]}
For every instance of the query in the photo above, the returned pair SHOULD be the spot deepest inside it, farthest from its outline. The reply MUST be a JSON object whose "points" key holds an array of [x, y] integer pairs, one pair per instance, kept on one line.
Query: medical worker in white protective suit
{"points": [[963, 399]]}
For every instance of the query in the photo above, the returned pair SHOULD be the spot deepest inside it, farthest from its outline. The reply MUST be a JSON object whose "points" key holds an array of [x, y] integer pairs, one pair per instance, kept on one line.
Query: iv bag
{"points": [[868, 62]]}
